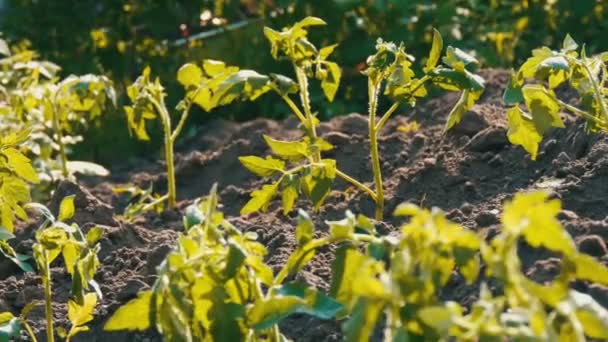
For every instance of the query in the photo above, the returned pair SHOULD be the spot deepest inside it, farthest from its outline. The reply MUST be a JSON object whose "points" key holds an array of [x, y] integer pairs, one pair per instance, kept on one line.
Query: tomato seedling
{"points": [[586, 75], [33, 97], [215, 286], [79, 252], [298, 165], [148, 103]]}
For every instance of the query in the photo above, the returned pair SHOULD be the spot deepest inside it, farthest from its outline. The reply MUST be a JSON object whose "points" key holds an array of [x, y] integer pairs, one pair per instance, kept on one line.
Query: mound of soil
{"points": [[468, 172]]}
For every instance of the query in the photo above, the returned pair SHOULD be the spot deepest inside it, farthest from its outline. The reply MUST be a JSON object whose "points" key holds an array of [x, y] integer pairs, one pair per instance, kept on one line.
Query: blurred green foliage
{"points": [[119, 38]]}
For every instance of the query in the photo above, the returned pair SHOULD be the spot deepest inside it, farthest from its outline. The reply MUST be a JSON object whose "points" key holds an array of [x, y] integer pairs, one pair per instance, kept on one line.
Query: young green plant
{"points": [[11, 326], [298, 164], [586, 75], [16, 173], [147, 103], [33, 97], [79, 251], [390, 73], [215, 286], [397, 284]]}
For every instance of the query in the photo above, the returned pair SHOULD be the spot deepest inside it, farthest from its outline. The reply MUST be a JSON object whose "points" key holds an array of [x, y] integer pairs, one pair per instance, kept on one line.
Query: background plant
{"points": [[16, 174], [552, 69], [118, 39], [148, 103], [79, 251], [56, 111]]}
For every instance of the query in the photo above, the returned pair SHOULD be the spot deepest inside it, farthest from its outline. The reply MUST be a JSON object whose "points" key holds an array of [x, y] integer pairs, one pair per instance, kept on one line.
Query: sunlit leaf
{"points": [[260, 199], [268, 312], [122, 319], [466, 102], [523, 132], [189, 75], [435, 53], [67, 209], [263, 167]]}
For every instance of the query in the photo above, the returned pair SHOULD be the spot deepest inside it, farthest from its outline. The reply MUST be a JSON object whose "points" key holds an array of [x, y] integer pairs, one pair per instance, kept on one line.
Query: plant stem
{"points": [[581, 112], [182, 122], [46, 283], [62, 154], [356, 183], [154, 203], [305, 99], [373, 88], [598, 92], [387, 116], [169, 158], [294, 108], [29, 330], [395, 105]]}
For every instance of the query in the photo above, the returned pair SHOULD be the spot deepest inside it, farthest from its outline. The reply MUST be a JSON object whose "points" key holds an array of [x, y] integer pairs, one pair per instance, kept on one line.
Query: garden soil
{"points": [[468, 172]]}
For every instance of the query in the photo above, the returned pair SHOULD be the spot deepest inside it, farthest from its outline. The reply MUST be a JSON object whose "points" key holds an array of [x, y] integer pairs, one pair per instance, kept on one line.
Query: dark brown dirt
{"points": [[468, 172]]}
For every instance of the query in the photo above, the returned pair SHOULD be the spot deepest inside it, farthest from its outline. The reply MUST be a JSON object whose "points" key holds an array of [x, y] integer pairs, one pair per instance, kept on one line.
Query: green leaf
{"points": [[535, 217], [20, 164], [189, 75], [454, 80], [326, 51], [331, 82], [458, 59], [87, 168], [310, 21], [5, 234], [289, 196], [283, 84], [343, 229], [243, 84], [569, 44], [10, 327], [70, 253], [225, 325], [260, 199], [305, 228], [236, 258], [67, 209], [290, 150], [587, 268], [435, 53], [317, 304], [556, 62], [4, 49], [263, 167], [81, 314], [300, 258], [440, 318], [360, 325], [592, 316], [513, 93], [523, 132], [94, 235], [18, 259], [123, 318], [268, 312], [466, 102], [407, 209], [543, 107]]}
